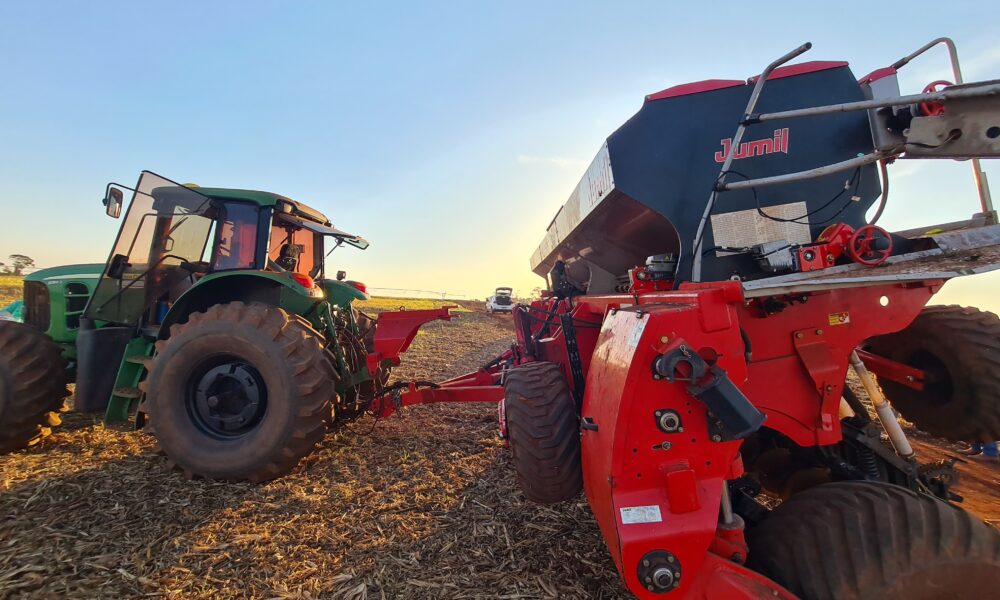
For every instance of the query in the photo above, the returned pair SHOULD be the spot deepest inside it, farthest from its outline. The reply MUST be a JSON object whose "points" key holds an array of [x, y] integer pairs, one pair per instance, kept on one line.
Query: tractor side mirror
{"points": [[113, 202], [341, 275]]}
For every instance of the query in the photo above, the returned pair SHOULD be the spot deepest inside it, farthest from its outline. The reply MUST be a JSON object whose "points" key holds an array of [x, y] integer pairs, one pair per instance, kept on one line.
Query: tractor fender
{"points": [[275, 289], [341, 293]]}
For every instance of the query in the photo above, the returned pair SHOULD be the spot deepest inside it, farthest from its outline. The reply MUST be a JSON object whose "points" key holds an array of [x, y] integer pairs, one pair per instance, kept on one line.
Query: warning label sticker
{"points": [[640, 514], [841, 318], [746, 228]]}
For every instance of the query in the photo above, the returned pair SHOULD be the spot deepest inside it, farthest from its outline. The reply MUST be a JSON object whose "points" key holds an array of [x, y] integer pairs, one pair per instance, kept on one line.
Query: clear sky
{"points": [[447, 133]]}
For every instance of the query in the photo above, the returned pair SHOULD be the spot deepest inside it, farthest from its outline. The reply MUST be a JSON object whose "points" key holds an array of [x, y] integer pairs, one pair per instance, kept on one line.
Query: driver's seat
{"points": [[288, 256]]}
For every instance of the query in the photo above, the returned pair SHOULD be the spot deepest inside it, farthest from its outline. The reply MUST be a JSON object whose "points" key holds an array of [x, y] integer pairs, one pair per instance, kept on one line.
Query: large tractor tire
{"points": [[959, 349], [32, 385], [856, 539], [544, 432], [239, 392]]}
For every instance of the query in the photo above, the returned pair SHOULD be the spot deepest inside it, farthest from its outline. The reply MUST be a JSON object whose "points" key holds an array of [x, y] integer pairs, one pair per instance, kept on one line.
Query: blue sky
{"points": [[448, 133]]}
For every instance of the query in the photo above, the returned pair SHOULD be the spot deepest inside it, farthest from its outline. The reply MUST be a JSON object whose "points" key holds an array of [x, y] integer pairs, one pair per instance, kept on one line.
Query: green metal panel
{"points": [[230, 286], [126, 394], [69, 289], [258, 197], [341, 294]]}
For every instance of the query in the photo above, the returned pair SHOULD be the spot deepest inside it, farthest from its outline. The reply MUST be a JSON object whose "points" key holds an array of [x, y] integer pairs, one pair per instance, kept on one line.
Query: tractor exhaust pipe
{"points": [[883, 409]]}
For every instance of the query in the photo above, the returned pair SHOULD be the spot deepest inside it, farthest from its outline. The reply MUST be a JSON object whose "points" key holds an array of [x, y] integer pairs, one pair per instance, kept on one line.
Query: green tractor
{"points": [[213, 323]]}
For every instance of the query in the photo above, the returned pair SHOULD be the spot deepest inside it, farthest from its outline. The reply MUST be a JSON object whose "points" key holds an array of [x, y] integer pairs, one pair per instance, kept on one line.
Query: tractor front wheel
{"points": [[239, 392], [32, 385], [544, 432], [958, 349], [874, 540]]}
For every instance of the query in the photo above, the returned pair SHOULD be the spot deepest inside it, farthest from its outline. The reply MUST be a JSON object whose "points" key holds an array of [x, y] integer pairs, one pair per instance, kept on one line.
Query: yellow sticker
{"points": [[841, 318]]}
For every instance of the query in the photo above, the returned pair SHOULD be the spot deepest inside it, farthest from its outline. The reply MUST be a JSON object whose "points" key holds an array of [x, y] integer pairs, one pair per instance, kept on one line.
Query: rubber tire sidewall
{"points": [[973, 410], [854, 540], [199, 453], [546, 451]]}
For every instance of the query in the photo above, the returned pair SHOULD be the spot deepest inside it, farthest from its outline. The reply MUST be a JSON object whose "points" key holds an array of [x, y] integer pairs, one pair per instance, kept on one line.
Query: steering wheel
{"points": [[934, 109], [870, 245]]}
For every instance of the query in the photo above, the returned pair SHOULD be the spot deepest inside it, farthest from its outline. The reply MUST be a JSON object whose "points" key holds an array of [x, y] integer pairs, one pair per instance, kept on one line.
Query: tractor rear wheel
{"points": [[240, 392], [32, 385], [959, 350], [875, 540], [544, 432]]}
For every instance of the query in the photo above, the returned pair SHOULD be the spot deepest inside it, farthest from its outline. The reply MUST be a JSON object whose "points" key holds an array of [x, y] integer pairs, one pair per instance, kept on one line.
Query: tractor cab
{"points": [[175, 236]]}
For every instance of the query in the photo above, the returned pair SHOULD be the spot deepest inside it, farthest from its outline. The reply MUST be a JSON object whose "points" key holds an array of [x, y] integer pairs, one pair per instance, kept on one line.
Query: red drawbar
{"points": [[802, 69], [694, 88]]}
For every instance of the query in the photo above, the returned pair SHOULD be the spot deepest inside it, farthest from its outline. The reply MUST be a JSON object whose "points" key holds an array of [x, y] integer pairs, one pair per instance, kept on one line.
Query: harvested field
{"points": [[419, 506], [10, 289], [422, 506]]}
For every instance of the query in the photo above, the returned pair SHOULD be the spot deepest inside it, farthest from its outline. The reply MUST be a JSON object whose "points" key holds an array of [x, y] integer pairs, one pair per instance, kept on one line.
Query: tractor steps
{"points": [[127, 396], [145, 361], [128, 392]]}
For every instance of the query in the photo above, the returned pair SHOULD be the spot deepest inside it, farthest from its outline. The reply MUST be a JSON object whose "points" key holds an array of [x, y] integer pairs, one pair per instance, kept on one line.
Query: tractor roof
{"points": [[266, 199]]}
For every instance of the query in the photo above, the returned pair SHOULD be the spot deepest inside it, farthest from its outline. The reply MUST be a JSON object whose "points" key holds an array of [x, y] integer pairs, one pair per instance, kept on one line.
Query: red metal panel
{"points": [[789, 375], [802, 68], [877, 74], [631, 467], [696, 87], [396, 330]]}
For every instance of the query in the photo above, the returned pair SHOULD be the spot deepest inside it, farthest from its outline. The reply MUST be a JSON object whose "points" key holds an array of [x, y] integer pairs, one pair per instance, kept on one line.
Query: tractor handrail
{"points": [[972, 90], [737, 138]]}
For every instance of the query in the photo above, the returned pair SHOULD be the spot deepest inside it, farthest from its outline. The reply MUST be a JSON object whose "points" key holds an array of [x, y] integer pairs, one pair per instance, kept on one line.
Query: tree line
{"points": [[18, 263]]}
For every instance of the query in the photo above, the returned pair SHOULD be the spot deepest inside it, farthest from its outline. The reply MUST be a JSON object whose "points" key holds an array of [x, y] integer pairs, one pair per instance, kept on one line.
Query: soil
{"points": [[419, 505]]}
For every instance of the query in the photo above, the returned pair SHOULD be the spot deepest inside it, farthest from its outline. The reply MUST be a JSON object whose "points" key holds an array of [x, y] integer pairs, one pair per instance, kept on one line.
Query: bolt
{"points": [[645, 562], [649, 587], [669, 421], [648, 579], [670, 559], [829, 388], [657, 376], [819, 332], [716, 438], [911, 378], [665, 446], [213, 401], [657, 413], [664, 339], [664, 577], [799, 335]]}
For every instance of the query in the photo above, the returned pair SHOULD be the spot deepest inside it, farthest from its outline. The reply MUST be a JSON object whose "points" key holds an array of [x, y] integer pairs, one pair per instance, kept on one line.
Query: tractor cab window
{"points": [[158, 252], [237, 237], [295, 249]]}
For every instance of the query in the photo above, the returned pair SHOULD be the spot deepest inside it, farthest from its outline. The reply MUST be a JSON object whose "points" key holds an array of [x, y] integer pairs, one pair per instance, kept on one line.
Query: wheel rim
{"points": [[226, 397]]}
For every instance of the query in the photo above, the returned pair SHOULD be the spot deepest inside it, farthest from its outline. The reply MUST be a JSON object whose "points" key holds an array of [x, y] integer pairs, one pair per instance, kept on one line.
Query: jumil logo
{"points": [[779, 143]]}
